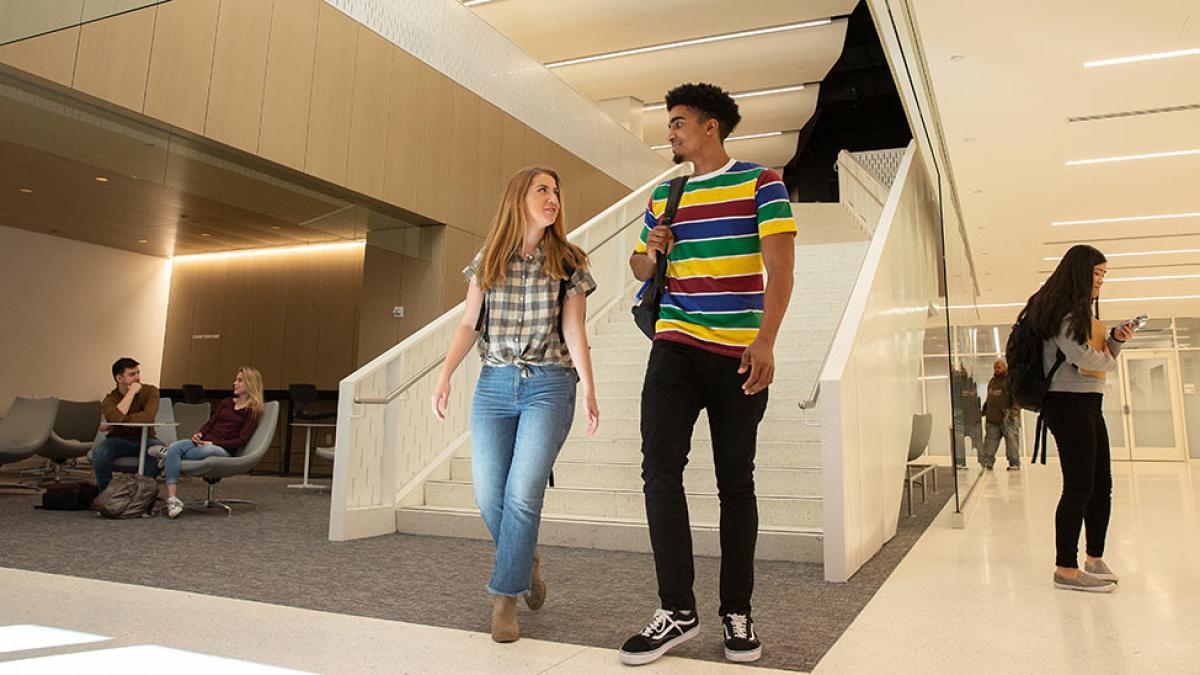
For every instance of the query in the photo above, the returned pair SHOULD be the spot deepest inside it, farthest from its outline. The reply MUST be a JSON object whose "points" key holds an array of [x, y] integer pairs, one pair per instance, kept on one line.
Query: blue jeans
{"points": [[518, 425], [112, 448], [186, 449]]}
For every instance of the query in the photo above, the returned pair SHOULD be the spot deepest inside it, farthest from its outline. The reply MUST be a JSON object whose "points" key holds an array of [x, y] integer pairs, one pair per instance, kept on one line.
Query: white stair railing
{"points": [[388, 442]]}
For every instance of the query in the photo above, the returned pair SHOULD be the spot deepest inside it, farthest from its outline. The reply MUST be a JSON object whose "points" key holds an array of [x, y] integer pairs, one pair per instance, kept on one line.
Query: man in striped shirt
{"points": [[713, 350]]}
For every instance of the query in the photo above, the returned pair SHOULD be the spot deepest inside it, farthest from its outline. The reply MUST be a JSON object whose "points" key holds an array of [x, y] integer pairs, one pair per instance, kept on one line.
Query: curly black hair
{"points": [[712, 101]]}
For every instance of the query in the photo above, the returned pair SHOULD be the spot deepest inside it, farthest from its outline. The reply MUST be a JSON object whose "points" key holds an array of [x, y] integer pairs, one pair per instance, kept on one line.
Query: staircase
{"points": [[597, 500]]}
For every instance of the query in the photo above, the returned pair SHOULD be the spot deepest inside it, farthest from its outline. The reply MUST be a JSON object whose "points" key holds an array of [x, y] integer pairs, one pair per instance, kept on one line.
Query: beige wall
{"points": [[70, 309]]}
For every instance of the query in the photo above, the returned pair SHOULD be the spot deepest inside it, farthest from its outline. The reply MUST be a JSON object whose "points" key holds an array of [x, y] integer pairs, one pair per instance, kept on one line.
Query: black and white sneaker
{"points": [[741, 642], [668, 628]]}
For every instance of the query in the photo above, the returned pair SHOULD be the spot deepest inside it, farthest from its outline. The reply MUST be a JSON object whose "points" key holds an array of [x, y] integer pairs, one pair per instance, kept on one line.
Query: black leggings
{"points": [[1078, 428]]}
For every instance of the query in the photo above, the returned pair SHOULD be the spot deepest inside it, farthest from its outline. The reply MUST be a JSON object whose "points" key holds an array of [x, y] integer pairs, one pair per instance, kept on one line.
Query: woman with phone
{"points": [[527, 300], [1065, 314]]}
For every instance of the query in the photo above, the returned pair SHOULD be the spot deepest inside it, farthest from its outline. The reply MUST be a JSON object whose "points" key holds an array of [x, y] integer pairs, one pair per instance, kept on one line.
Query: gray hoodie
{"points": [[1068, 378]]}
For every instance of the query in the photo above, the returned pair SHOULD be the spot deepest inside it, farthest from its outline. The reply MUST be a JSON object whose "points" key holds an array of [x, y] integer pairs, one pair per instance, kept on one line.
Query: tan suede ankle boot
{"points": [[504, 619], [537, 590]]}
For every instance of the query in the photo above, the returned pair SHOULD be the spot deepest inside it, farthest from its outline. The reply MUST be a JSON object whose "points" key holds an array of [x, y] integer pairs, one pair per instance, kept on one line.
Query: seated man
{"points": [[131, 401]]}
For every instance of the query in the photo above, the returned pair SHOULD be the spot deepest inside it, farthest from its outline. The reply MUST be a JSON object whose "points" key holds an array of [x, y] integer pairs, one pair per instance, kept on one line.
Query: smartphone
{"points": [[1138, 322]]}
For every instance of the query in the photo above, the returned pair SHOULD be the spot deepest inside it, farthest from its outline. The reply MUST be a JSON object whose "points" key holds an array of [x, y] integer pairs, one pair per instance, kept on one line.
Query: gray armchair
{"points": [[191, 416], [73, 436], [24, 431], [213, 469]]}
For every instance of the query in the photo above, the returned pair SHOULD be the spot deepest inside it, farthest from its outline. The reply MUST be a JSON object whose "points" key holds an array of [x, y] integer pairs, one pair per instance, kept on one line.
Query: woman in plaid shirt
{"points": [[527, 296]]}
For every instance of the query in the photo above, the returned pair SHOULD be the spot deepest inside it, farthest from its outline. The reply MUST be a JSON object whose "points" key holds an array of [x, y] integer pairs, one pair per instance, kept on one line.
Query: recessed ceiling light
{"points": [[1157, 56], [746, 94], [205, 234], [1176, 251], [1127, 158], [27, 191], [1126, 219], [143, 241], [977, 191], [958, 57], [688, 43], [747, 137], [275, 227], [101, 179]]}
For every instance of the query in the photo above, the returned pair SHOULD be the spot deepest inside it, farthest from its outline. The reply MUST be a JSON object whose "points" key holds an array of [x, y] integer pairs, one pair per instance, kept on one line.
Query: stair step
{"points": [[785, 544], [769, 453], [779, 408], [602, 504], [629, 428], [801, 482]]}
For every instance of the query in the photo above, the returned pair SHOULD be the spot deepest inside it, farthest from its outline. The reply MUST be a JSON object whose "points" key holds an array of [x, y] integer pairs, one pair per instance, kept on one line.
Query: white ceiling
{"points": [[1006, 81], [557, 30]]}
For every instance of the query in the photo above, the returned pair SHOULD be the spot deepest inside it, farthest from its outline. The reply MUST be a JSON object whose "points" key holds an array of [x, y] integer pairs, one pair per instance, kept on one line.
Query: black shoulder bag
{"points": [[646, 311]]}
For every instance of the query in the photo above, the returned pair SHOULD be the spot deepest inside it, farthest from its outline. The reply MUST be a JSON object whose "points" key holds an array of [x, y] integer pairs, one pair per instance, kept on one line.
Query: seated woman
{"points": [[226, 432]]}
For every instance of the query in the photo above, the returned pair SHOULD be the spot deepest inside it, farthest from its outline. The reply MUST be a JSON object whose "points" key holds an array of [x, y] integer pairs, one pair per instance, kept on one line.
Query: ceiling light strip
{"points": [[1157, 56], [693, 41], [649, 107], [472, 3], [1134, 113], [1156, 298], [747, 137], [1126, 219], [1166, 277], [1176, 251], [1128, 158], [274, 250]]}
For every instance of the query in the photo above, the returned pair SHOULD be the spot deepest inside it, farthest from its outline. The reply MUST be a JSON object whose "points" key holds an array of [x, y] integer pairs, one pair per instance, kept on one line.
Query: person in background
{"points": [[1001, 418], [534, 350], [1061, 314], [223, 435], [130, 401]]}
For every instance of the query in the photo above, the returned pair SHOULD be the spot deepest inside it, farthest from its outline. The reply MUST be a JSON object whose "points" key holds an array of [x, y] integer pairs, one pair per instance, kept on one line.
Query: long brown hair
{"points": [[508, 232], [1067, 294], [254, 388]]}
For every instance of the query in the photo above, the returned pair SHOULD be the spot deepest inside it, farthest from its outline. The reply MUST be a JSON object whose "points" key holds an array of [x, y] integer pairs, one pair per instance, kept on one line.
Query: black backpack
{"points": [[1027, 380]]}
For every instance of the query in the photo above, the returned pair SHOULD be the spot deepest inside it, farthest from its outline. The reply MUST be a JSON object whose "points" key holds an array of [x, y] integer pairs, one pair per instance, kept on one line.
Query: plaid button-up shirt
{"points": [[523, 312]]}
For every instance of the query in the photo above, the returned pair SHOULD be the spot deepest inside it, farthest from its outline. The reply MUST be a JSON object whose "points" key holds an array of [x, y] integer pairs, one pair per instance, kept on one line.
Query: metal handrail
{"points": [[687, 169], [412, 381]]}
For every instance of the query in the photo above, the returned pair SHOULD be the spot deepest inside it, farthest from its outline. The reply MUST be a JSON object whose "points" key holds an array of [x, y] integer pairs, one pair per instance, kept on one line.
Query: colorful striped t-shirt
{"points": [[714, 295]]}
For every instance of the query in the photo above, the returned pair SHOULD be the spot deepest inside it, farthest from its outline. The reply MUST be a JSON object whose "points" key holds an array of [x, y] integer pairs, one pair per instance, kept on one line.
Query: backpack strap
{"points": [[481, 323], [1059, 358]]}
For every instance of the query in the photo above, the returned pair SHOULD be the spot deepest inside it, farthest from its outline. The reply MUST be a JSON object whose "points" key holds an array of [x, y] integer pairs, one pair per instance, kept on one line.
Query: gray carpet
{"points": [[279, 554]]}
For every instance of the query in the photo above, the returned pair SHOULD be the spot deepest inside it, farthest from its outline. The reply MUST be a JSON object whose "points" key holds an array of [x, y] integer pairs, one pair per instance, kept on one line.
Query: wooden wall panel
{"points": [[381, 274], [461, 247], [337, 326], [239, 71], [369, 114], [462, 147], [204, 361], [181, 63], [301, 319], [332, 96], [291, 51], [50, 56], [237, 317], [436, 187], [489, 180], [421, 282], [177, 343], [403, 135], [512, 147], [268, 317], [113, 58]]}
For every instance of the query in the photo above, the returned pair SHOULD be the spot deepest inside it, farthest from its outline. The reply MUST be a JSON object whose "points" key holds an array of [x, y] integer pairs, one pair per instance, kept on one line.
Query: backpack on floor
{"points": [[1028, 381], [68, 496], [129, 495]]}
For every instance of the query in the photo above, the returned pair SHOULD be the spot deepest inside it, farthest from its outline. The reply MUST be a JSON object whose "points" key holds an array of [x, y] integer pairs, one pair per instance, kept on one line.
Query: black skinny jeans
{"points": [[1082, 438], [681, 381]]}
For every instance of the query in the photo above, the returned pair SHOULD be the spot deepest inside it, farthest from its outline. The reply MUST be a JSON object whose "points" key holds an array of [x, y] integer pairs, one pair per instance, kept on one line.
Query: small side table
{"points": [[145, 427], [308, 448]]}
